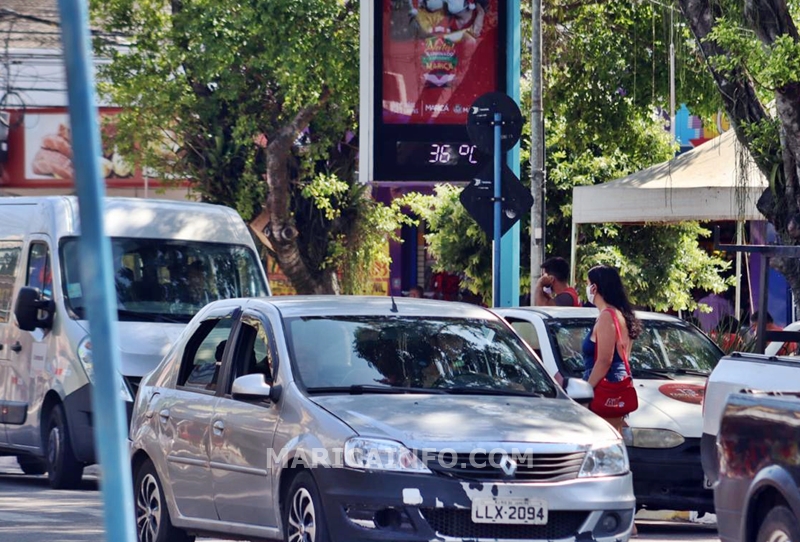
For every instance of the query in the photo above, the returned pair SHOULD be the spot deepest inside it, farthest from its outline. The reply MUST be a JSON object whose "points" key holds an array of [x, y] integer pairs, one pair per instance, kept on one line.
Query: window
{"points": [[40, 275], [9, 258], [160, 280], [204, 353], [253, 354]]}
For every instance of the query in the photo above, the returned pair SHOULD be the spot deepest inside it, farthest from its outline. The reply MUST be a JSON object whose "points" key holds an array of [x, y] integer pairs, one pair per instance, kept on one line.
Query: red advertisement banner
{"points": [[438, 57]]}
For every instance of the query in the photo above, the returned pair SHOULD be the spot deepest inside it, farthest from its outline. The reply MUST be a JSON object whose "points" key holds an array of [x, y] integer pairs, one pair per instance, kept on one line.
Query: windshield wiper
{"points": [[491, 391], [657, 373], [680, 371], [359, 389]]}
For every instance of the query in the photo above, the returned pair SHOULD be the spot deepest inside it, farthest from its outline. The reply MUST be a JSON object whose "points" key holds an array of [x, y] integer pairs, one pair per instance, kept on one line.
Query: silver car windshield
{"points": [[165, 280], [662, 348], [401, 354]]}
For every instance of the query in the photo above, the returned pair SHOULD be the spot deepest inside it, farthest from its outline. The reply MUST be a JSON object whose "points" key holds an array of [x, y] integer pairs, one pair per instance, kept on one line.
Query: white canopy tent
{"points": [[700, 184]]}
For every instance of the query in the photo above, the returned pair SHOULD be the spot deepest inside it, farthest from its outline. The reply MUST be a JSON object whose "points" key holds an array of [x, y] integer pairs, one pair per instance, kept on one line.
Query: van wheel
{"points": [[153, 523], [303, 517], [780, 525], [64, 471], [31, 465]]}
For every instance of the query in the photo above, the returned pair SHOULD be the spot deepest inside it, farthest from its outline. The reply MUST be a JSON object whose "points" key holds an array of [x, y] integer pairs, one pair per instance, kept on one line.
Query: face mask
{"points": [[589, 294]]}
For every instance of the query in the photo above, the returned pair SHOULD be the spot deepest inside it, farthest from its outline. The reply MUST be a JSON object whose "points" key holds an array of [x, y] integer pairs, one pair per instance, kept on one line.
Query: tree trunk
{"points": [[281, 228], [770, 19]]}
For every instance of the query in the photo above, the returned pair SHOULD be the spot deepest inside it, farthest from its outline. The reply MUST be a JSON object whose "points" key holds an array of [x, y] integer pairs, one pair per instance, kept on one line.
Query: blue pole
{"points": [[110, 424], [511, 242], [498, 207]]}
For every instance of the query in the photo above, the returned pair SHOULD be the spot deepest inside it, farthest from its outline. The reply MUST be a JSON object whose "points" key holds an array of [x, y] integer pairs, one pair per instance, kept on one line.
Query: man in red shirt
{"points": [[552, 287]]}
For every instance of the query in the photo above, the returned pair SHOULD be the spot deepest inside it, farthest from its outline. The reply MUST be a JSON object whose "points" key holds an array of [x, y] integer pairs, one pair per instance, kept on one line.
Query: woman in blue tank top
{"points": [[602, 346]]}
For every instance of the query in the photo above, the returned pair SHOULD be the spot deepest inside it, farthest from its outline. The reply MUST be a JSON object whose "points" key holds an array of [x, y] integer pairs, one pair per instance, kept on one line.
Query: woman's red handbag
{"points": [[615, 399]]}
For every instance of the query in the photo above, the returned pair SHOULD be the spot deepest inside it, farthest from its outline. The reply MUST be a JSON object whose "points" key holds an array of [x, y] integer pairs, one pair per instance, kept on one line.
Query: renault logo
{"points": [[508, 465]]}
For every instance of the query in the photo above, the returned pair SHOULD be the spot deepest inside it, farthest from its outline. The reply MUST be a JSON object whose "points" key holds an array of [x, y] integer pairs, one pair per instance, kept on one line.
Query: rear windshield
{"points": [[413, 353], [662, 346], [164, 280]]}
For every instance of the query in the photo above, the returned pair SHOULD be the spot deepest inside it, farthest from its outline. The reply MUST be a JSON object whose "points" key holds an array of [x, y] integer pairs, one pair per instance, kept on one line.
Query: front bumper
{"points": [[366, 506], [671, 478]]}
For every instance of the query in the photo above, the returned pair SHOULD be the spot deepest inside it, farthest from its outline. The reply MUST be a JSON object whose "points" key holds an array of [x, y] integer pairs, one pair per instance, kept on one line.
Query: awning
{"points": [[700, 184]]}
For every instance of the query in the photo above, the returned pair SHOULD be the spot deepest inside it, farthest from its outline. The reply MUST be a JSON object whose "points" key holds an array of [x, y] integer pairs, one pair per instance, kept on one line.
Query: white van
{"points": [[170, 259], [671, 361]]}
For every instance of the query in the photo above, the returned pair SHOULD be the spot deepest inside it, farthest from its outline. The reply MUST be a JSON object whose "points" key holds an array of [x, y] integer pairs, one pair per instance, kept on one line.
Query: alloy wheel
{"points": [[302, 518], [53, 445], [148, 509]]}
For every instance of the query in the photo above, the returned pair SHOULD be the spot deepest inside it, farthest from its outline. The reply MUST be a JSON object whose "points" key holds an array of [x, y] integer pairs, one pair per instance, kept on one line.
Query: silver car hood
{"points": [[142, 345], [418, 419]]}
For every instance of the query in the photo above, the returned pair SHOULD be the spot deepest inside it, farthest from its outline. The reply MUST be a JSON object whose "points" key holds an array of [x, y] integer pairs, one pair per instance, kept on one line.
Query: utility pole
{"points": [[537, 149]]}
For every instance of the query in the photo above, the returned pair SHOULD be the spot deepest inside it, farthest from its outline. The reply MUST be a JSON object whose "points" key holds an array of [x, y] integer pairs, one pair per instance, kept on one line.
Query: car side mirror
{"points": [[579, 390], [28, 306], [253, 386]]}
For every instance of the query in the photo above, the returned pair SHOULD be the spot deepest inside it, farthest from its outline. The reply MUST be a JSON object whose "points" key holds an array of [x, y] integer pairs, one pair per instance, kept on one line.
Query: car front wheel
{"points": [[153, 523], [780, 525], [303, 517], [64, 471]]}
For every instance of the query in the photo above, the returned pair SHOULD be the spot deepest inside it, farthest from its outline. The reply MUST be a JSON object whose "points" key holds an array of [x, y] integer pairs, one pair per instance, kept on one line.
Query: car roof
{"points": [[347, 305], [568, 313]]}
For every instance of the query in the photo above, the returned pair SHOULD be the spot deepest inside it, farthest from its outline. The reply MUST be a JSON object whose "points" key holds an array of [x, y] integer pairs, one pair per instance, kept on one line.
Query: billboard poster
{"points": [[48, 149], [437, 57]]}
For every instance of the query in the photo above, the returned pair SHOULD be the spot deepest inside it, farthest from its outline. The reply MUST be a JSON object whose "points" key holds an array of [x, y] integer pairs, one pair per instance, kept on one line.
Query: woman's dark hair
{"points": [[609, 285]]}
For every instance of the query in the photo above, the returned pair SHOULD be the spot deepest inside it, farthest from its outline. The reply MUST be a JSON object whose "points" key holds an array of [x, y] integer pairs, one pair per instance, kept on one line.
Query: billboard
{"points": [[437, 57], [431, 60]]}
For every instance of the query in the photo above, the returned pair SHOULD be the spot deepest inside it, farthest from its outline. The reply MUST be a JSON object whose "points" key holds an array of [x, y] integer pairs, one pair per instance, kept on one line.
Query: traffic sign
{"points": [[478, 199], [480, 121]]}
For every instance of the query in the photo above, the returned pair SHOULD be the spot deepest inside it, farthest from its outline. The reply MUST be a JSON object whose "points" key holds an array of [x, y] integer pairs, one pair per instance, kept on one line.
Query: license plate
{"points": [[707, 484], [511, 510]]}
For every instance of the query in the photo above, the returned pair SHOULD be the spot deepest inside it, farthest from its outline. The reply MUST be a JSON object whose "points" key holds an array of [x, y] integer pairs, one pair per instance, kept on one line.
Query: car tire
{"points": [[303, 516], [153, 523], [780, 525], [64, 471], [31, 465]]}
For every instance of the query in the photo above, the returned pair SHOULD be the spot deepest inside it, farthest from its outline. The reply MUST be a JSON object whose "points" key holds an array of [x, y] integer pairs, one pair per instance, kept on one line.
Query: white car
{"points": [[670, 361]]}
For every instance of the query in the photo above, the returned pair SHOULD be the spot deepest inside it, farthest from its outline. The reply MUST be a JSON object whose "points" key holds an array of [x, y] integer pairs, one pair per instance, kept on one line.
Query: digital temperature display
{"points": [[438, 154]]}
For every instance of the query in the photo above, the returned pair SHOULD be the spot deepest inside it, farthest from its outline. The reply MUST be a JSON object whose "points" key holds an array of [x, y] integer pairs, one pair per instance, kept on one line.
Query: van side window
{"points": [[9, 258], [252, 354], [202, 359], [40, 275]]}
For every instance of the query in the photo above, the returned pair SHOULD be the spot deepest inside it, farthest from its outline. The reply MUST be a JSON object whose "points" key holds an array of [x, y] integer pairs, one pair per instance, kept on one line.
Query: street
{"points": [[32, 512]]}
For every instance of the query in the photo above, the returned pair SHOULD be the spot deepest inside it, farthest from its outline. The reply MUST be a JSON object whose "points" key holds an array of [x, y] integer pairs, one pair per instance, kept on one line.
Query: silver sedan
{"points": [[353, 419]]}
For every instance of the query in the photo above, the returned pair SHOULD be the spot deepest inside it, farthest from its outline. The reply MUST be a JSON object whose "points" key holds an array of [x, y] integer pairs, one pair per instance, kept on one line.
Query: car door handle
{"points": [[16, 347], [219, 427], [164, 415]]}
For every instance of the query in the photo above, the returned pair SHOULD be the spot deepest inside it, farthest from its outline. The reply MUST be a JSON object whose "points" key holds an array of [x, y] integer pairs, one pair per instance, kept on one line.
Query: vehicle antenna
{"points": [[394, 305]]}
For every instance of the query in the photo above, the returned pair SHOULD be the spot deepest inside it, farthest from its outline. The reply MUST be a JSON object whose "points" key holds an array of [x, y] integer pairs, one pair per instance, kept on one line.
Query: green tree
{"points": [[606, 73], [752, 50], [255, 98]]}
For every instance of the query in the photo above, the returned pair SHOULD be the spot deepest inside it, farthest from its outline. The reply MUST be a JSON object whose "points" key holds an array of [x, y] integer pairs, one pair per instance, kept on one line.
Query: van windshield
{"points": [[663, 348], [160, 280]]}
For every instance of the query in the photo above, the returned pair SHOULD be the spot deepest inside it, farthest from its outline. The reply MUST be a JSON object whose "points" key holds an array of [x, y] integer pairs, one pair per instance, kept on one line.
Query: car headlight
{"points": [[85, 356], [380, 454], [125, 391], [86, 359], [652, 438], [605, 459]]}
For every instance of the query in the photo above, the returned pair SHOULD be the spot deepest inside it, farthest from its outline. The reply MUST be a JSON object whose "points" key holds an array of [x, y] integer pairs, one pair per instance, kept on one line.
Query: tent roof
{"points": [[697, 185]]}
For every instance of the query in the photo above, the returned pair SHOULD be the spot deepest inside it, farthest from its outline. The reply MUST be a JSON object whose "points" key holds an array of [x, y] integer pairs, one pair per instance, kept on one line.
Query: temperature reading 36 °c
{"points": [[445, 153]]}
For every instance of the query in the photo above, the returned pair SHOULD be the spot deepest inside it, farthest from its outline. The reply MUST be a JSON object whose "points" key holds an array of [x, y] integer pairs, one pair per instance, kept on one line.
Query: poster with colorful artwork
{"points": [[438, 57]]}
